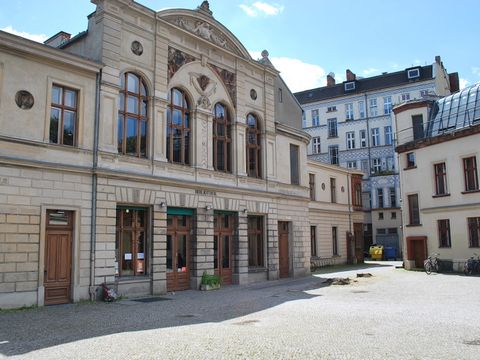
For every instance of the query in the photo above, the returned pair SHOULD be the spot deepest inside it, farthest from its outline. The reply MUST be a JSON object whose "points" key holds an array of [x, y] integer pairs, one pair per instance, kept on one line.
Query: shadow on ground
{"points": [[25, 331]]}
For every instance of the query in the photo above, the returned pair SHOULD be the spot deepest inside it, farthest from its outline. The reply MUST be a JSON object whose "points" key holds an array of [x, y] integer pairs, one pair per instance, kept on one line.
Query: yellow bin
{"points": [[376, 252]]}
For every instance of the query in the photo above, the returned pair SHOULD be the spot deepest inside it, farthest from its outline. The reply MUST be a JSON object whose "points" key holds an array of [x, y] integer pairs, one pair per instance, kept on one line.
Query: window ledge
{"points": [[471, 191], [132, 279], [445, 247], [440, 195], [336, 256], [410, 167], [413, 225], [255, 269], [332, 137]]}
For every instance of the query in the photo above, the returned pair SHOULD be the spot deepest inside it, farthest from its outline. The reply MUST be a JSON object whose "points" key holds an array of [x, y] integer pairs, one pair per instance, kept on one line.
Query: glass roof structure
{"points": [[456, 111]]}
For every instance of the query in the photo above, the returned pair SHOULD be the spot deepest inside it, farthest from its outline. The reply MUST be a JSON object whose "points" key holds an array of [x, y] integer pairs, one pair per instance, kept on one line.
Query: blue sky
{"points": [[307, 39]]}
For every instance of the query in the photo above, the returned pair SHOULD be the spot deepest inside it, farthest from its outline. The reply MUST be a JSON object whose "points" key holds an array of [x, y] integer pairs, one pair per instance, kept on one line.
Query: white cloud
{"points": [[35, 37], [370, 71], [248, 10], [268, 9], [297, 74], [463, 83], [259, 7]]}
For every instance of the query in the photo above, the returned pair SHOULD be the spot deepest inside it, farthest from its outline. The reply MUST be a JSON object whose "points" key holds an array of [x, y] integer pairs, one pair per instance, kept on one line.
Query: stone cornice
{"points": [[293, 132], [18, 44]]}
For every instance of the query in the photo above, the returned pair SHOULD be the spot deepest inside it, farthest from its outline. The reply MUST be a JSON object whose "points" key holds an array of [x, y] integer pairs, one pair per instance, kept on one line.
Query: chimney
{"points": [[331, 79], [350, 75], [438, 59], [58, 39]]}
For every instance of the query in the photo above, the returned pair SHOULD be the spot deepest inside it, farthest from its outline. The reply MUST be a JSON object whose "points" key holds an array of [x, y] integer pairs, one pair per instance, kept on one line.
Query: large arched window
{"points": [[254, 147], [222, 139], [132, 116], [178, 128]]}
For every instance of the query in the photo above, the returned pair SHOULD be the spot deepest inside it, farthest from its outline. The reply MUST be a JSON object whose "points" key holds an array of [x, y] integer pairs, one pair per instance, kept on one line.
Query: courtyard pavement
{"points": [[395, 314]]}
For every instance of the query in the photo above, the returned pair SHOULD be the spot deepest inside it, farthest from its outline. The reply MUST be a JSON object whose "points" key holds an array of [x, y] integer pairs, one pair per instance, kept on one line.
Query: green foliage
{"points": [[211, 280]]}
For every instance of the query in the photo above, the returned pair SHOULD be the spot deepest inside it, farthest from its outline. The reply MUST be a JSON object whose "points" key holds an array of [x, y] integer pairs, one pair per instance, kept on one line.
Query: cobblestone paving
{"points": [[393, 315]]}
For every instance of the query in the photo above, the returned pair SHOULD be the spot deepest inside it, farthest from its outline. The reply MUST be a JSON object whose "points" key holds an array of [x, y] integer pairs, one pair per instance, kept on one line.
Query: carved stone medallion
{"points": [[24, 100], [137, 48], [253, 94]]}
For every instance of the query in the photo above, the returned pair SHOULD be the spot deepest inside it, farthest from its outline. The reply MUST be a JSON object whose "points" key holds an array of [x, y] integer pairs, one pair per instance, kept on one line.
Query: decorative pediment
{"points": [[205, 27]]}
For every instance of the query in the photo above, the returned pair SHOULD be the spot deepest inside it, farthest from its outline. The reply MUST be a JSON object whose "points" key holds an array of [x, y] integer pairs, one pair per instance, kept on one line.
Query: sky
{"points": [[307, 39]]}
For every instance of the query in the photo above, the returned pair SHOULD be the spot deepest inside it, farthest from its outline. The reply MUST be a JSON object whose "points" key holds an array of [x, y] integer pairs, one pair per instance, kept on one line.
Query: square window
{"points": [[411, 160], [380, 216]]}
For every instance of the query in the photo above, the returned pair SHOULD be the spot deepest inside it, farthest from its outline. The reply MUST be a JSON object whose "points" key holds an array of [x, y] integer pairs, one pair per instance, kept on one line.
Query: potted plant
{"points": [[209, 282]]}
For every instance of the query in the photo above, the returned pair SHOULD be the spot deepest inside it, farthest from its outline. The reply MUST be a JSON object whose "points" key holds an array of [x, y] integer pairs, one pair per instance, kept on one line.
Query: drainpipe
{"points": [[93, 225], [349, 189]]}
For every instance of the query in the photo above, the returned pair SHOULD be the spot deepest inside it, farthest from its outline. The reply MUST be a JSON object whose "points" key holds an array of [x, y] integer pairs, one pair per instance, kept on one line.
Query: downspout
{"points": [[349, 243], [264, 156], [368, 137], [93, 225]]}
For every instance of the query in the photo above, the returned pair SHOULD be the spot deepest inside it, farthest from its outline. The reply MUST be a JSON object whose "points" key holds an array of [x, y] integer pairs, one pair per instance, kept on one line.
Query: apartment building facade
{"points": [[145, 151], [351, 126], [438, 156]]}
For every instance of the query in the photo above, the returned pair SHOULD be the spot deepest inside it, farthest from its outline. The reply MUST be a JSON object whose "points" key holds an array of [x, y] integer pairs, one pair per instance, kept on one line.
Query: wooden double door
{"points": [[283, 249], [57, 279], [224, 229], [179, 229]]}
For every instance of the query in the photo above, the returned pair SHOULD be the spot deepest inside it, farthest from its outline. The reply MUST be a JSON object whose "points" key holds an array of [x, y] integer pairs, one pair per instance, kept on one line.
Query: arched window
{"points": [[178, 128], [132, 116], [222, 139], [254, 147]]}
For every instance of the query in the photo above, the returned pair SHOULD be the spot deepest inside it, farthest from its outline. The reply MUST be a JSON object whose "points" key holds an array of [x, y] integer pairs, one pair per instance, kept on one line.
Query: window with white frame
{"points": [[380, 202], [413, 73], [315, 118], [349, 86], [361, 109], [388, 135], [364, 165], [387, 105], [375, 136], [332, 128], [351, 140], [405, 97], [390, 163], [376, 165], [351, 164], [423, 93], [349, 111], [363, 138], [331, 108], [333, 154], [373, 107], [316, 148]]}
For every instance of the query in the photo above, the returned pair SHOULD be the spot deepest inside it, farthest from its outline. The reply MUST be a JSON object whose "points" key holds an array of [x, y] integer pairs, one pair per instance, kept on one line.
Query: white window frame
{"points": [[332, 128], [333, 155], [364, 166], [373, 107], [350, 140], [315, 118], [388, 135], [349, 111], [376, 165], [332, 108], [352, 164], [316, 146], [405, 96], [387, 105], [413, 73], [363, 138], [349, 86], [375, 136], [390, 163], [361, 109]]}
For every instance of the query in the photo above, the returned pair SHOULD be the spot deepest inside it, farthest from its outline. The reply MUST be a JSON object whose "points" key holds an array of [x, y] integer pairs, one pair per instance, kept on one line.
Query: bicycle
{"points": [[431, 264], [472, 265]]}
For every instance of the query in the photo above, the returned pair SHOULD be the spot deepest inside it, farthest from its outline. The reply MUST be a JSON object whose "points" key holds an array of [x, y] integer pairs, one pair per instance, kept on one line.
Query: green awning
{"points": [[179, 211]]}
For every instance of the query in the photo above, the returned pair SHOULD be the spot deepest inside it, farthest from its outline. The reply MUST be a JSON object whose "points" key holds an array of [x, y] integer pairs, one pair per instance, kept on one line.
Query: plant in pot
{"points": [[209, 282]]}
